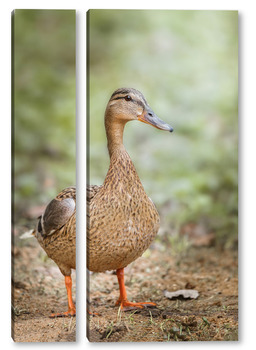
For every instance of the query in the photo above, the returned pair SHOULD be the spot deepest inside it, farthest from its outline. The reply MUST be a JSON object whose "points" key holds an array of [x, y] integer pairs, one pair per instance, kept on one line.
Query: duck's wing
{"points": [[57, 212]]}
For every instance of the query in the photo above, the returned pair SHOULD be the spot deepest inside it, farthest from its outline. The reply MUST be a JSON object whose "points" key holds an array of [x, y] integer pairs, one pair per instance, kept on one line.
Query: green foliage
{"points": [[43, 104], [186, 64]]}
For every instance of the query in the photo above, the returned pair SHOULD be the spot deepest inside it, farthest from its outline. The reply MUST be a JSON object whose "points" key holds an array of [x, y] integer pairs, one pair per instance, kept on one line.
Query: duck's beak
{"points": [[149, 117]]}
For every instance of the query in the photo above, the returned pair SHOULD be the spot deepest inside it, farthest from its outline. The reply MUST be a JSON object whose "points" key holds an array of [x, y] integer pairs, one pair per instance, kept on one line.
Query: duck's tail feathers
{"points": [[28, 234]]}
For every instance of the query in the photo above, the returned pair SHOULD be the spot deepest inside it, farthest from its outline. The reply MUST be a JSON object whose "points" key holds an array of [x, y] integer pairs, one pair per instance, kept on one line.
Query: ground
{"points": [[213, 316], [39, 290]]}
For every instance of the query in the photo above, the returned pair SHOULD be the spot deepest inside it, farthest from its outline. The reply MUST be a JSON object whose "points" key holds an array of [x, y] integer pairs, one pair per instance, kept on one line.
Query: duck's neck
{"points": [[121, 173], [115, 133]]}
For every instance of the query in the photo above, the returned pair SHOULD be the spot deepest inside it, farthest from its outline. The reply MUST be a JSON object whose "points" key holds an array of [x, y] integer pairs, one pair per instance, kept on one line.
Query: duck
{"points": [[56, 233], [122, 221]]}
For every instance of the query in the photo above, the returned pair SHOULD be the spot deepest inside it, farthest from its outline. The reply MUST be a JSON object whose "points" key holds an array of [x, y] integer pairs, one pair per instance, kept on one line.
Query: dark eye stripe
{"points": [[121, 91], [117, 98], [134, 101]]}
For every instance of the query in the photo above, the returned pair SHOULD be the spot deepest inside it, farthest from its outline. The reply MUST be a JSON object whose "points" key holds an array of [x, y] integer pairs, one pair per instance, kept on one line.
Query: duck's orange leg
{"points": [[122, 301], [71, 306]]}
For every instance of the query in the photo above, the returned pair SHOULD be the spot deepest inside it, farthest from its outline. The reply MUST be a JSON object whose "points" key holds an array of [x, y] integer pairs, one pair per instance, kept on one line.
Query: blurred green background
{"points": [[44, 105], [186, 65]]}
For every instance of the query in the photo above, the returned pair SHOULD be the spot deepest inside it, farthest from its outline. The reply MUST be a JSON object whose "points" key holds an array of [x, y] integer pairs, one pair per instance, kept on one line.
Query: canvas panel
{"points": [[43, 164], [186, 65]]}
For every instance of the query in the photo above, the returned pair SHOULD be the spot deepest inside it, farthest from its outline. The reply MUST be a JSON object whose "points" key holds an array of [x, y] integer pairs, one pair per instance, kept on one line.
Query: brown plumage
{"points": [[56, 233], [122, 219]]}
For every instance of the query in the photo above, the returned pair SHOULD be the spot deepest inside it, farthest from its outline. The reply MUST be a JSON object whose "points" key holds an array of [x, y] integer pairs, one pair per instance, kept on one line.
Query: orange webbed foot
{"points": [[71, 306], [122, 301], [128, 305], [92, 313], [69, 313]]}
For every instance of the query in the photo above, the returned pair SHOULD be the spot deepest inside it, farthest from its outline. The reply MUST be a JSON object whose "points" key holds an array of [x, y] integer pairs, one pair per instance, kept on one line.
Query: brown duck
{"points": [[122, 219], [56, 233]]}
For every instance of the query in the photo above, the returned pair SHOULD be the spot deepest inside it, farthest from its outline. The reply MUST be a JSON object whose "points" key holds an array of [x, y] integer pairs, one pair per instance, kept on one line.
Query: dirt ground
{"points": [[212, 316], [39, 290]]}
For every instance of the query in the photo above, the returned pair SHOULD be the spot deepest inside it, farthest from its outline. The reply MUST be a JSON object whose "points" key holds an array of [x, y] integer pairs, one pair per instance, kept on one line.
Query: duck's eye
{"points": [[128, 98]]}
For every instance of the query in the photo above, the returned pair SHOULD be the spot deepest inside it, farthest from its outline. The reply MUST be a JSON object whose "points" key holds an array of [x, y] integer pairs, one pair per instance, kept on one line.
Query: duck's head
{"points": [[127, 104]]}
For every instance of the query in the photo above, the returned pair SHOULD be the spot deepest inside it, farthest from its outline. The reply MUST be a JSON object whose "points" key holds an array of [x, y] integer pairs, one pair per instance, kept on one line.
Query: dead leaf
{"points": [[182, 293]]}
